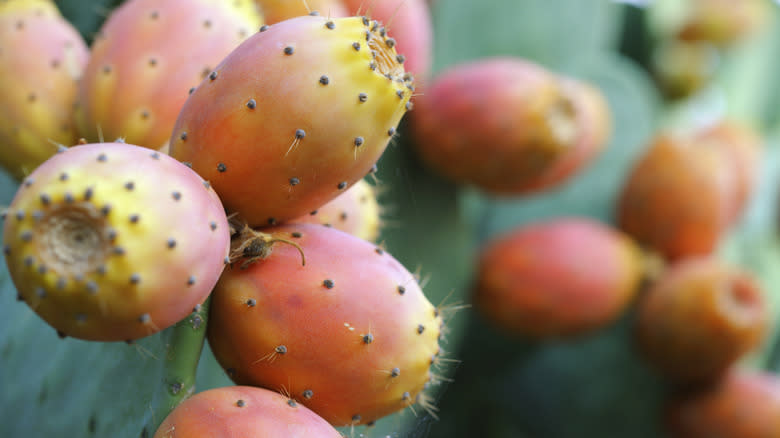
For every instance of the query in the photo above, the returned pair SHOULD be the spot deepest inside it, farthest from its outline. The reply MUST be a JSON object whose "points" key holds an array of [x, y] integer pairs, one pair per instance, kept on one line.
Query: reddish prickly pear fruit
{"points": [[698, 318], [243, 411], [348, 334], [147, 57], [743, 404], [113, 241], [275, 11], [508, 126], [594, 128], [409, 21], [294, 116], [679, 198], [744, 149], [36, 103], [356, 211], [558, 278]]}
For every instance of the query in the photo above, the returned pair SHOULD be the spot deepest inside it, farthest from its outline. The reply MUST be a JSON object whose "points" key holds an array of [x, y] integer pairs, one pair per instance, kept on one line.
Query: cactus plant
{"points": [[597, 385]]}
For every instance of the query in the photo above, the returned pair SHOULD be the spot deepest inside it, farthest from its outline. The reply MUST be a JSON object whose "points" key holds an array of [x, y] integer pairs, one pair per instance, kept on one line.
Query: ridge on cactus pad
{"points": [[294, 116], [114, 242]]}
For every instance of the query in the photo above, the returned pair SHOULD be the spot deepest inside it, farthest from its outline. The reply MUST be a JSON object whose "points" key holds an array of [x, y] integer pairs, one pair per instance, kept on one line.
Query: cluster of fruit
{"points": [[511, 128], [241, 128], [691, 37]]}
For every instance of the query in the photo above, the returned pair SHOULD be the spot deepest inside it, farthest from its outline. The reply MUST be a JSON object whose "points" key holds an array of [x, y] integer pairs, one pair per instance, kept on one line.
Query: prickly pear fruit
{"points": [[356, 211], [36, 103], [275, 11], [508, 126], [294, 116], [243, 411], [744, 148], [558, 278], [682, 69], [113, 241], [698, 318], [348, 334], [146, 58], [409, 21], [594, 125], [723, 22], [679, 198], [744, 404]]}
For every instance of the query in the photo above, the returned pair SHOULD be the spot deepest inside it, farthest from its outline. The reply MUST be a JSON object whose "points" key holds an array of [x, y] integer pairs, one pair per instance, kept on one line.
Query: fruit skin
{"points": [[723, 22], [243, 411], [744, 404], [147, 56], [356, 211], [36, 106], [508, 126], [297, 86], [563, 277], [744, 148], [679, 197], [684, 68], [349, 334], [114, 242], [699, 318], [275, 11], [409, 21]]}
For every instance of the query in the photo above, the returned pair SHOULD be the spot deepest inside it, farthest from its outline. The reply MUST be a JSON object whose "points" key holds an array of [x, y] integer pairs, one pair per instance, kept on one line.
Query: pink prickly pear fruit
{"points": [[349, 333], [294, 116], [509, 126], [356, 211], [147, 57], [559, 278], [36, 106], [409, 21], [743, 404], [698, 318], [113, 241], [243, 411], [275, 11]]}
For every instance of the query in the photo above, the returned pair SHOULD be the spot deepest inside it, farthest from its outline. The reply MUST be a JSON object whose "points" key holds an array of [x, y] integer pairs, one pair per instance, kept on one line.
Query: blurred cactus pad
{"points": [[594, 385]]}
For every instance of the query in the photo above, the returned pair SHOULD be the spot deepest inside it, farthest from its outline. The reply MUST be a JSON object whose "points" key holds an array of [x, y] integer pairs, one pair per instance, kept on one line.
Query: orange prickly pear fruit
{"points": [[325, 95], [698, 318], [680, 197], [349, 334], [559, 278]]}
